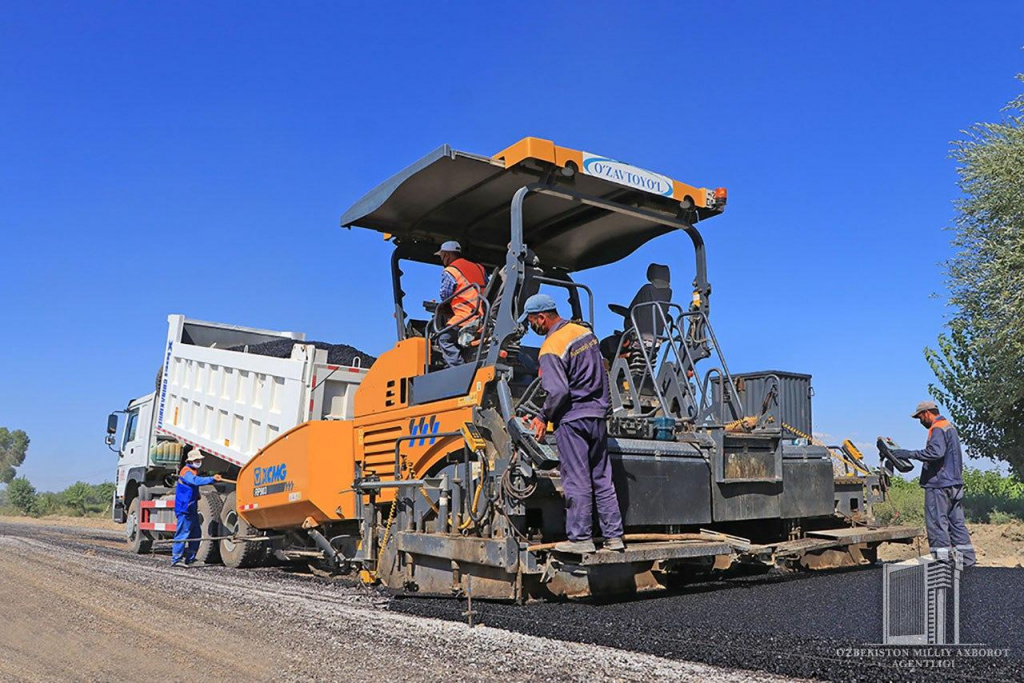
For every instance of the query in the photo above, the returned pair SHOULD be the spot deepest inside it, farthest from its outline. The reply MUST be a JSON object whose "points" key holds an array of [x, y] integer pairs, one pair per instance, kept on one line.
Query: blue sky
{"points": [[196, 158]]}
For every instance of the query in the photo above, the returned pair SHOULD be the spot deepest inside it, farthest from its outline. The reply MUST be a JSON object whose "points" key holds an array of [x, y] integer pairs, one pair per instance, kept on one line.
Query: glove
{"points": [[903, 454]]}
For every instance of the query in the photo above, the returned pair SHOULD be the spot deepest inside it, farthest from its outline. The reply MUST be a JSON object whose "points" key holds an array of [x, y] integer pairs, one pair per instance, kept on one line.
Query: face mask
{"points": [[194, 465]]}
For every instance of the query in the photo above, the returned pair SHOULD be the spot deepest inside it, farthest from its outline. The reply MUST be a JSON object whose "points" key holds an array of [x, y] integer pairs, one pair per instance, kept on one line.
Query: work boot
{"points": [[179, 564], [615, 544], [576, 547]]}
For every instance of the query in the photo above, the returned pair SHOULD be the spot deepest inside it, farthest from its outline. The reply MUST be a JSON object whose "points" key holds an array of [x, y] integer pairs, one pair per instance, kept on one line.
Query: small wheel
{"points": [[137, 540], [239, 554], [210, 506]]}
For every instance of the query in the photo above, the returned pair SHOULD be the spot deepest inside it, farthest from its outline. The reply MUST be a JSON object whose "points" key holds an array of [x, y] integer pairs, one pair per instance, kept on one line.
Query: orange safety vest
{"points": [[938, 424], [464, 303]]}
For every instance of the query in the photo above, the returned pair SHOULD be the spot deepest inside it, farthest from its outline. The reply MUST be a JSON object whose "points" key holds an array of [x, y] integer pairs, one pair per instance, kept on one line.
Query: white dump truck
{"points": [[228, 391]]}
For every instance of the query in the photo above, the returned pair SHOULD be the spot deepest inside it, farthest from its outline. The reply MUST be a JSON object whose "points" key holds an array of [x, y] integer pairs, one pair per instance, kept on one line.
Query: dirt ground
{"points": [[996, 545], [76, 608]]}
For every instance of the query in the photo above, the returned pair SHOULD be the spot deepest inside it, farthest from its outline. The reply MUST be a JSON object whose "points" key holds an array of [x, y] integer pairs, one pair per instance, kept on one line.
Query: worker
{"points": [[186, 510], [943, 483], [573, 375], [460, 299]]}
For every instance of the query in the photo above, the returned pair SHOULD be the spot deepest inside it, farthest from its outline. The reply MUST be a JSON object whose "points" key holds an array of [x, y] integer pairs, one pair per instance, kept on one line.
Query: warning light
{"points": [[721, 195]]}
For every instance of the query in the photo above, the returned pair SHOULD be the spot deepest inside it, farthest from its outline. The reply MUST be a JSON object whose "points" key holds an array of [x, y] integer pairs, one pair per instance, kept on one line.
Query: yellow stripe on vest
{"points": [[559, 341]]}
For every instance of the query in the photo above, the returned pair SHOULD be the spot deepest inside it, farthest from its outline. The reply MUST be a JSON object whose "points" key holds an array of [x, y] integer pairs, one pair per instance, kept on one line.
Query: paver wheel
{"points": [[210, 506], [239, 554], [138, 541]]}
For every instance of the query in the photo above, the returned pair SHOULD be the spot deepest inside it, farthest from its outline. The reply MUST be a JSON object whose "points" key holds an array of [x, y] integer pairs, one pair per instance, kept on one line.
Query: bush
{"points": [[78, 500], [905, 504], [21, 495]]}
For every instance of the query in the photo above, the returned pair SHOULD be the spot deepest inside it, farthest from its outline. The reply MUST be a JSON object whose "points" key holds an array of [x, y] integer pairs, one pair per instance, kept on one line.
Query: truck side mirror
{"points": [[112, 423]]}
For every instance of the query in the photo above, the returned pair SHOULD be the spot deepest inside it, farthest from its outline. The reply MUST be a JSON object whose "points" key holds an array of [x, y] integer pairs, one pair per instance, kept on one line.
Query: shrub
{"points": [[21, 495]]}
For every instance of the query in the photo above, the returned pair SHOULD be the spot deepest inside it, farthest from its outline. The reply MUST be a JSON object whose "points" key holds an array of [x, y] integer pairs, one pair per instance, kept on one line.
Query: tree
{"points": [[979, 363], [77, 498], [22, 495], [13, 447]]}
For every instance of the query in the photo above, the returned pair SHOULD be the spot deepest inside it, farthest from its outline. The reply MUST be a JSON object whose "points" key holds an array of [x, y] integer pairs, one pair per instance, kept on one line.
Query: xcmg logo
{"points": [[269, 475]]}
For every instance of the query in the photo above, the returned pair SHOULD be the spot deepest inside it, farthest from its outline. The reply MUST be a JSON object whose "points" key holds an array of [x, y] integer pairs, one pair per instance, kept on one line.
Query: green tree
{"points": [[979, 363], [22, 495], [13, 447], [77, 498]]}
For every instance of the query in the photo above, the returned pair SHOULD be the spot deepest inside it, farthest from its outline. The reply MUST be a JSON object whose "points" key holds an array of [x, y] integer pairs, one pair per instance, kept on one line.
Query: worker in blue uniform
{"points": [[186, 510], [573, 375], [943, 482]]}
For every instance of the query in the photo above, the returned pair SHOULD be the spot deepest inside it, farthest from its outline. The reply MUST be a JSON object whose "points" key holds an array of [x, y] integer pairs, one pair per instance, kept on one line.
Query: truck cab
{"points": [[143, 457]]}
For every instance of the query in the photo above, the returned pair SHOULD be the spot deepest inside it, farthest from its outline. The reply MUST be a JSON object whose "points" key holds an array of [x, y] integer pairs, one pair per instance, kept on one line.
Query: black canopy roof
{"points": [[456, 195]]}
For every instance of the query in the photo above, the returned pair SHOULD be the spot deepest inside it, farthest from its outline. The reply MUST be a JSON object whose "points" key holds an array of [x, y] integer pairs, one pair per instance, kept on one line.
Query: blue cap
{"points": [[538, 303]]}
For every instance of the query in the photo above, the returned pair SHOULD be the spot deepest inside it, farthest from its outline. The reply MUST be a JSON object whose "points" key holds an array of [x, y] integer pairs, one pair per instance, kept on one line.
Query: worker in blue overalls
{"points": [[186, 510], [943, 482]]}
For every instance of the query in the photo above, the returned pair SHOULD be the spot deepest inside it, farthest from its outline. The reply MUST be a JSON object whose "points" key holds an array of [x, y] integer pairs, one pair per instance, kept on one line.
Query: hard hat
{"points": [[450, 245], [538, 303], [194, 455], [923, 406]]}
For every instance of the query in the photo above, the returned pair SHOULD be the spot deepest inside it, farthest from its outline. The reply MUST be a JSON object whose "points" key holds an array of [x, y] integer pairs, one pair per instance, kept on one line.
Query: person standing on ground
{"points": [[943, 481], [457, 284], [573, 375], [186, 510]]}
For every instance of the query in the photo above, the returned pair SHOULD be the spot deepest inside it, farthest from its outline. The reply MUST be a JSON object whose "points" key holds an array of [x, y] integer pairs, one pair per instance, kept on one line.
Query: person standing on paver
{"points": [[186, 510], [573, 375], [943, 481]]}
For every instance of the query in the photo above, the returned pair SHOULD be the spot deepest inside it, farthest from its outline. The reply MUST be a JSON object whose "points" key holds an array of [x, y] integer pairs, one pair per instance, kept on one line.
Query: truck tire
{"points": [[210, 505], [239, 554], [137, 540]]}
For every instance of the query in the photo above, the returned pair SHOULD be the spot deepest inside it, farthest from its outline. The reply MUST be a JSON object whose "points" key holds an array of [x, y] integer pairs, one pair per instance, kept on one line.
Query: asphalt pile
{"points": [[337, 354], [819, 626]]}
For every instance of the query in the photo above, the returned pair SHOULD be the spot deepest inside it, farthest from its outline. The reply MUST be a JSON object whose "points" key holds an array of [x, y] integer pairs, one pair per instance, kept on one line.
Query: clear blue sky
{"points": [[196, 158]]}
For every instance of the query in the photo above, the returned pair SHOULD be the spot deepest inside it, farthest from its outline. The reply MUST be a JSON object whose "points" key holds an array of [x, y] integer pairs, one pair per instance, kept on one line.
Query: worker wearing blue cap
{"points": [[573, 375]]}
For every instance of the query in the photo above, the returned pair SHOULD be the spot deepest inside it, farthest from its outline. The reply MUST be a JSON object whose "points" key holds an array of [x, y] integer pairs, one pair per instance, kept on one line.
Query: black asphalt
{"points": [[812, 625]]}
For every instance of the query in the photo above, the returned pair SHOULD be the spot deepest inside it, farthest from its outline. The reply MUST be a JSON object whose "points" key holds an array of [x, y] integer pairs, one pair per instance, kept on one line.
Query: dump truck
{"points": [[228, 391], [434, 484]]}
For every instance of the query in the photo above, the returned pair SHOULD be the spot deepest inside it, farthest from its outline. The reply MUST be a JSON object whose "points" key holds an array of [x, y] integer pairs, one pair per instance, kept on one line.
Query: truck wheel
{"points": [[138, 541], [239, 554], [210, 505]]}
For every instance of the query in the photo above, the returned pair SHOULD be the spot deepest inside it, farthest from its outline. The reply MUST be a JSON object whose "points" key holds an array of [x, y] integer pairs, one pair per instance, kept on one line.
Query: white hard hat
{"points": [[194, 455], [450, 245]]}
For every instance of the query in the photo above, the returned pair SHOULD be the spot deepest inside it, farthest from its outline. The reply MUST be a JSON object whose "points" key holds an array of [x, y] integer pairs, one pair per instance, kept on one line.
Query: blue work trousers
{"points": [[188, 528], [944, 521], [587, 478]]}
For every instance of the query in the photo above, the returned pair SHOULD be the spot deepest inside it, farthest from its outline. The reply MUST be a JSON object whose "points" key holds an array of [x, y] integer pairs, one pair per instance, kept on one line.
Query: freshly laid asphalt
{"points": [[815, 625]]}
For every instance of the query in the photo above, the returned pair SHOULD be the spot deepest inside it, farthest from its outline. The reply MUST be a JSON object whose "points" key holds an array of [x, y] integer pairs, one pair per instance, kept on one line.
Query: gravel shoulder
{"points": [[75, 608]]}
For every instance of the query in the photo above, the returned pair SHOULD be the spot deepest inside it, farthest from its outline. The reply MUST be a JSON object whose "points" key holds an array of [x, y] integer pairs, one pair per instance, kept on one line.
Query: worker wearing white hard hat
{"points": [[186, 510], [461, 284]]}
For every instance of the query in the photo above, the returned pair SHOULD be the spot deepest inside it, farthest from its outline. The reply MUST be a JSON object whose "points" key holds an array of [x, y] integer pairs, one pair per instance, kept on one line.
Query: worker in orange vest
{"points": [[461, 284]]}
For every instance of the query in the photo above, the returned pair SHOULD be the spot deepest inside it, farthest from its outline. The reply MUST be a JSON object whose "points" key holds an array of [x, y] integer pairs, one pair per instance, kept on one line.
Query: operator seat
{"points": [[649, 325]]}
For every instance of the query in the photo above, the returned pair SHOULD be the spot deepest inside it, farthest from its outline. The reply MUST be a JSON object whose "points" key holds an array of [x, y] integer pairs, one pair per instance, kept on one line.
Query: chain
{"points": [[387, 532], [817, 442]]}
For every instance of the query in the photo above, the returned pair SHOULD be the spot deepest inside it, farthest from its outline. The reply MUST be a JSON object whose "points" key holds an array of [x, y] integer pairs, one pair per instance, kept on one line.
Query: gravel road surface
{"points": [[74, 607]]}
